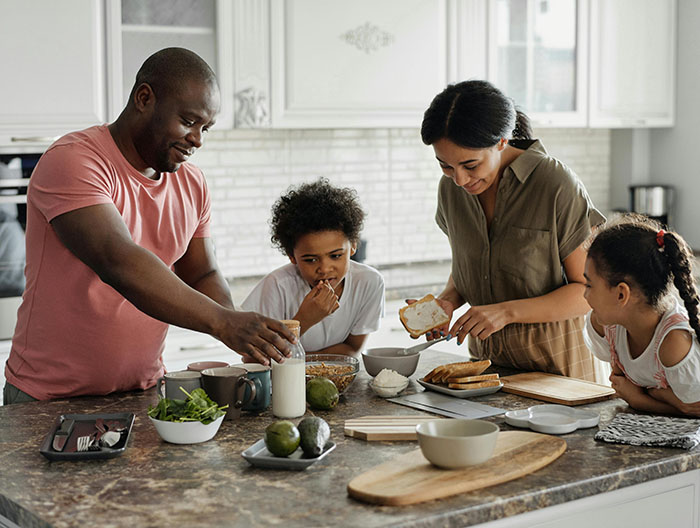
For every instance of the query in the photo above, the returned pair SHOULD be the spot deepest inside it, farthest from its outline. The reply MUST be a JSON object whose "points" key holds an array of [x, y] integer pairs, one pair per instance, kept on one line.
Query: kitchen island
{"points": [[159, 484]]}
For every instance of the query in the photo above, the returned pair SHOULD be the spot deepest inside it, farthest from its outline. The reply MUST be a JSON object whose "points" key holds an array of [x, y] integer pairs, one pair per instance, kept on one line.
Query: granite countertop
{"points": [[159, 484]]}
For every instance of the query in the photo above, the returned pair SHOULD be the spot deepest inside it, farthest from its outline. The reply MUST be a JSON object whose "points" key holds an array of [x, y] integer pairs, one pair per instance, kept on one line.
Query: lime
{"points": [[282, 438], [321, 393]]}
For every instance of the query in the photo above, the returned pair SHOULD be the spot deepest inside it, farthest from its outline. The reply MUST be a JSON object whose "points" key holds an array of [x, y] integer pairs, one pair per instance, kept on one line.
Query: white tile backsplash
{"points": [[395, 175]]}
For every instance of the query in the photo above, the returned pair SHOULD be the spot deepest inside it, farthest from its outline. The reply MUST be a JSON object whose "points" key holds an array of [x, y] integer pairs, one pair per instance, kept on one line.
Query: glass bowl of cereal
{"points": [[338, 368]]}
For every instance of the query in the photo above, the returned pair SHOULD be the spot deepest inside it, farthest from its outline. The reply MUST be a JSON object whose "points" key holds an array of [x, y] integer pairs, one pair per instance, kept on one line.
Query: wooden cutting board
{"points": [[556, 389], [410, 478], [387, 428]]}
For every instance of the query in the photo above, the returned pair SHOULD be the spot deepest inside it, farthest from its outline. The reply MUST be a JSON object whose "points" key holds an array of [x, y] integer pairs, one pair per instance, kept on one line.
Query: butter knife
{"points": [[60, 437]]}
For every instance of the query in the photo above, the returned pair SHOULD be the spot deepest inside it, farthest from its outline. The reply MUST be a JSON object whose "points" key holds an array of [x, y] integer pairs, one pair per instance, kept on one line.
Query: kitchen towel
{"points": [[653, 431]]}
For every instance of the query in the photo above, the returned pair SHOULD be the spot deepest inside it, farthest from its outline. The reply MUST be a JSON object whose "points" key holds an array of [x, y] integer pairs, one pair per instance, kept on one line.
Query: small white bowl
{"points": [[453, 443], [388, 392], [186, 432]]}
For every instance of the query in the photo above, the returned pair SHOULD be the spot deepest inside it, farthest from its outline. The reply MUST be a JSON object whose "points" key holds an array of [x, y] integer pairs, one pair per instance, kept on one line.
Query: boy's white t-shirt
{"points": [[647, 370], [280, 293]]}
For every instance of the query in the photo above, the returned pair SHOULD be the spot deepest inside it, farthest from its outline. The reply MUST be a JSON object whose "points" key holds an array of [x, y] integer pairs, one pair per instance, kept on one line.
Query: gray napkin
{"points": [[653, 431]]}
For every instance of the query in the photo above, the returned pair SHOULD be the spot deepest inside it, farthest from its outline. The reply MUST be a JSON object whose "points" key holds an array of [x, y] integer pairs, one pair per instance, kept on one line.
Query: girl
{"points": [[516, 219], [337, 301], [649, 339]]}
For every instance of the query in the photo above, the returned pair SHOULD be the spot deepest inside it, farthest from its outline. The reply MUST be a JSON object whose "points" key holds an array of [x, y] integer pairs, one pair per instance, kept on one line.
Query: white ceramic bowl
{"points": [[453, 443], [186, 432], [388, 391], [376, 359]]}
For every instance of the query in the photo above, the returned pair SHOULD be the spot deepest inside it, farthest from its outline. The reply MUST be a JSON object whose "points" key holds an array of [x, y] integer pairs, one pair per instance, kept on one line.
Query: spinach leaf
{"points": [[198, 407]]}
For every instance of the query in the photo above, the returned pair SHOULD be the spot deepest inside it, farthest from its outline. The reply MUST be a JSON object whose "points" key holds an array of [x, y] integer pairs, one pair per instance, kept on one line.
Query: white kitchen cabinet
{"points": [[537, 55], [53, 70], [632, 63], [139, 28], [357, 64]]}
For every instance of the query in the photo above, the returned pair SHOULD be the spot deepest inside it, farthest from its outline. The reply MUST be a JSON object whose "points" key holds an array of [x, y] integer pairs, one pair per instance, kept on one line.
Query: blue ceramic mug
{"points": [[260, 376]]}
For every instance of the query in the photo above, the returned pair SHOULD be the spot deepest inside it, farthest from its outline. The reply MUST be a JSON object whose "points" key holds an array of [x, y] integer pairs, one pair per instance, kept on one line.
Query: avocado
{"points": [[321, 393], [314, 432], [282, 438]]}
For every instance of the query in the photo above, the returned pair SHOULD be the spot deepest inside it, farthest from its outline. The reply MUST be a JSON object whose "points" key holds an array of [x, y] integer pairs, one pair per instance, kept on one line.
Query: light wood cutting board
{"points": [[386, 428], [410, 478], [556, 389]]}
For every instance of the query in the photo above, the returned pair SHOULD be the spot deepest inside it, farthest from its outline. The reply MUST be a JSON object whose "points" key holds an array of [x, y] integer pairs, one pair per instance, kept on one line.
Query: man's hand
{"points": [[255, 336], [318, 304]]}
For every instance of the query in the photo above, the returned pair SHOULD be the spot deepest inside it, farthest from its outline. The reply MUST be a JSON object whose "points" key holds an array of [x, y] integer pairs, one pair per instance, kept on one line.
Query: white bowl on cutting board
{"points": [[454, 443]]}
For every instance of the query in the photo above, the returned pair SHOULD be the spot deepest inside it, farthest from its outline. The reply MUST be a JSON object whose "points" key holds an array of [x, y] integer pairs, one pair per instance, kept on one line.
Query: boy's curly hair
{"points": [[314, 207]]}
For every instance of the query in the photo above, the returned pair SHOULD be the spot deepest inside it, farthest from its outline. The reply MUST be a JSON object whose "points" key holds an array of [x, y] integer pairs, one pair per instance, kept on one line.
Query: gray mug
{"points": [[260, 375], [227, 386], [169, 385]]}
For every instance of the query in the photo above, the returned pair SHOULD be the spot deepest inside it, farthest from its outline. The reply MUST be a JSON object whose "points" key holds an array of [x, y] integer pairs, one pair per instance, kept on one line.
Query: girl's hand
{"points": [[441, 330], [480, 322], [625, 389], [319, 303]]}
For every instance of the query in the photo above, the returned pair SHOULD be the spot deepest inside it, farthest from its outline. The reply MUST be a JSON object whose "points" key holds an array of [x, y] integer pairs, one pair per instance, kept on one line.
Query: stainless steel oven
{"points": [[14, 179]]}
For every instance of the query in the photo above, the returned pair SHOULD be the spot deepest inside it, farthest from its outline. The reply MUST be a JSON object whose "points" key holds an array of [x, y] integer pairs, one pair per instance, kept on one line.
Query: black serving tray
{"points": [[85, 425]]}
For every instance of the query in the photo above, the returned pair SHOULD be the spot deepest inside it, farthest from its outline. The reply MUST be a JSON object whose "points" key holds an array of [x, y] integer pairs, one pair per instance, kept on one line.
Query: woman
{"points": [[516, 219]]}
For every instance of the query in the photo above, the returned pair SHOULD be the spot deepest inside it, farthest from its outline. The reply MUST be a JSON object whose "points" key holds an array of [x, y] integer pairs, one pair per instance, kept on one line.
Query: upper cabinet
{"points": [[633, 58], [53, 70], [337, 63], [139, 28], [537, 54], [363, 63]]}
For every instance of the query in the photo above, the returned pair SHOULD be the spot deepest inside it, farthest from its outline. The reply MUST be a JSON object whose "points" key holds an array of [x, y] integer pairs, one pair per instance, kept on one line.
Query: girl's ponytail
{"points": [[678, 256]]}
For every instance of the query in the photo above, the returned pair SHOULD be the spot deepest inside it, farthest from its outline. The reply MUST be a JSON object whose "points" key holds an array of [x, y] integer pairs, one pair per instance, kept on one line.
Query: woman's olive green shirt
{"points": [[542, 214]]}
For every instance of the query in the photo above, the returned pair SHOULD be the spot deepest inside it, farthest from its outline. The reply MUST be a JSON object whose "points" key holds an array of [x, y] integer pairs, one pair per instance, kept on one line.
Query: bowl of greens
{"points": [[191, 421]]}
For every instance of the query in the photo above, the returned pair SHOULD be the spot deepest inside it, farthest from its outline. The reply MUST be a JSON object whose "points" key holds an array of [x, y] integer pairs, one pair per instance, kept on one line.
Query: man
{"points": [[118, 247]]}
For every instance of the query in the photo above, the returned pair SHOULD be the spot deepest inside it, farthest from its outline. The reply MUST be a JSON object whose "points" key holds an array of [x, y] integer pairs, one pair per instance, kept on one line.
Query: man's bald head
{"points": [[168, 69]]}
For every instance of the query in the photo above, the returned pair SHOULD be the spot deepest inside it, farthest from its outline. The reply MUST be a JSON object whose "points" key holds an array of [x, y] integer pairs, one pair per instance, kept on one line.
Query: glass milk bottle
{"points": [[289, 380]]}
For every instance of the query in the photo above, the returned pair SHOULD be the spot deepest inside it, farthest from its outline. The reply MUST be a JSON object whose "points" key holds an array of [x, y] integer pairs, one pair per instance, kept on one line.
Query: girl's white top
{"points": [[647, 370], [280, 293]]}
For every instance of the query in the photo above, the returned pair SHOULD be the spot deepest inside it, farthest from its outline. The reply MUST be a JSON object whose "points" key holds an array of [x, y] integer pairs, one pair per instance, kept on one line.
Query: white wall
{"points": [[668, 155], [673, 153], [395, 175]]}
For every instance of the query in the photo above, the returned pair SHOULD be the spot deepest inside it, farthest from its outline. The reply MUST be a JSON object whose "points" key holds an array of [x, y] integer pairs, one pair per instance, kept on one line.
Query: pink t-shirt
{"points": [[76, 335]]}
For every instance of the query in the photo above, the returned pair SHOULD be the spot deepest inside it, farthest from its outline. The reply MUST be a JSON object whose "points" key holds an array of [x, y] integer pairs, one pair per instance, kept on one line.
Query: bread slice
{"points": [[458, 370], [477, 385], [472, 379], [423, 316], [437, 371]]}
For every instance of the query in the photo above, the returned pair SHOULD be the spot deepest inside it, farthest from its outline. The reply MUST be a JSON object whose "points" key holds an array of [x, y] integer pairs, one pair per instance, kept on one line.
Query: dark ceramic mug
{"points": [[227, 386]]}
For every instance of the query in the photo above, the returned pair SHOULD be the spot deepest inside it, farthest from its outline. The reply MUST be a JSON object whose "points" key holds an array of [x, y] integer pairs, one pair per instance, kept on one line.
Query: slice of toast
{"points": [[457, 370], [437, 371], [472, 379], [477, 385], [423, 316]]}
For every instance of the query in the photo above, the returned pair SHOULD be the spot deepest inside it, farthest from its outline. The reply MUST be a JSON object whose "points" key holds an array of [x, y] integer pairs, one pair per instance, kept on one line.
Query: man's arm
{"points": [[198, 269], [350, 347], [99, 238]]}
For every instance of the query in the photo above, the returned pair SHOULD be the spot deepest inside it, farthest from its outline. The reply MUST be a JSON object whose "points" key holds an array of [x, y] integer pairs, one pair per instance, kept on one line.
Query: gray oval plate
{"points": [[257, 455]]}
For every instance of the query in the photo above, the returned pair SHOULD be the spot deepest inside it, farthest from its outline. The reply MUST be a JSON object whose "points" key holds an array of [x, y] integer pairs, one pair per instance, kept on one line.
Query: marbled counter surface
{"points": [[159, 484]]}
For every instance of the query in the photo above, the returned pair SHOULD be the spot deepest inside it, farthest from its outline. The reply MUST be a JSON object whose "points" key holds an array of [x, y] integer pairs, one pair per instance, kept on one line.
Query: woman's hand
{"points": [[442, 330], [480, 322]]}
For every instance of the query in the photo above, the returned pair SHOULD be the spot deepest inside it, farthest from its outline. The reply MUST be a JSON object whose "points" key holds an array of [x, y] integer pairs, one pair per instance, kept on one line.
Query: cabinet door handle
{"points": [[34, 139]]}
